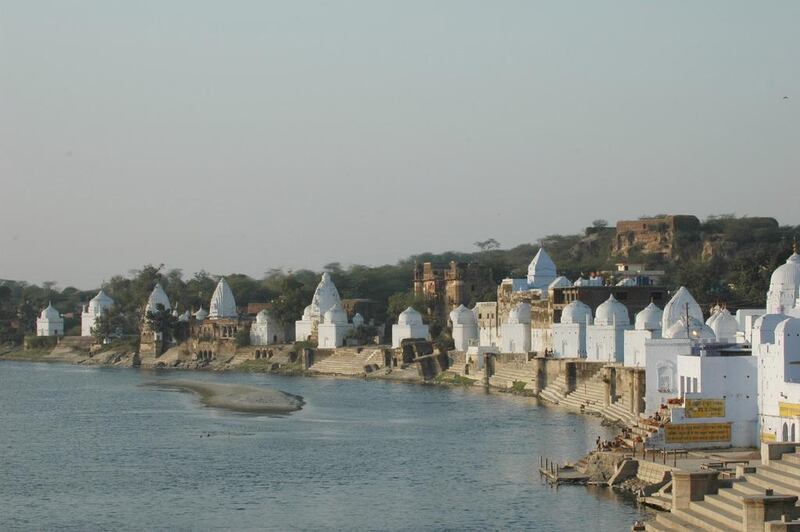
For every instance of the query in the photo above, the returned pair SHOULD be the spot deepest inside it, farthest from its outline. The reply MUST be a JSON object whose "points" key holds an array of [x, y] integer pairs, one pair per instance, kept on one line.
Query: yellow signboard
{"points": [[697, 432], [695, 408], [768, 437], [789, 409]]}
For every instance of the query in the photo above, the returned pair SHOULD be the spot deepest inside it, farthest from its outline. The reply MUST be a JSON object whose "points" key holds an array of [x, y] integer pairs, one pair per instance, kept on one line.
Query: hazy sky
{"points": [[244, 135]]}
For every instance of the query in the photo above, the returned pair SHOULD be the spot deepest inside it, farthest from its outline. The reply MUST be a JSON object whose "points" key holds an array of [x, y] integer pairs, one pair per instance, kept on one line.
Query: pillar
{"points": [[688, 486], [758, 509]]}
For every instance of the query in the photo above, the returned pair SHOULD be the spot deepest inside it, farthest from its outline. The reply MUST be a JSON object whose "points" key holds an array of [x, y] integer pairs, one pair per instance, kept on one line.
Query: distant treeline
{"points": [[744, 252]]}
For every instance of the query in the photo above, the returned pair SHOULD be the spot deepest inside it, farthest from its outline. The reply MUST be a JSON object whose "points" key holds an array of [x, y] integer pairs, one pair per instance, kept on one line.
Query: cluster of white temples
{"points": [[746, 365]]}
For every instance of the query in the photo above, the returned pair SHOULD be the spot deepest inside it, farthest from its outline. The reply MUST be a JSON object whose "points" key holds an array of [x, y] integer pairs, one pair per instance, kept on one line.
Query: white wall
{"points": [[732, 378], [605, 343], [463, 334], [403, 332], [661, 370], [569, 340], [633, 346], [332, 335], [516, 338]]}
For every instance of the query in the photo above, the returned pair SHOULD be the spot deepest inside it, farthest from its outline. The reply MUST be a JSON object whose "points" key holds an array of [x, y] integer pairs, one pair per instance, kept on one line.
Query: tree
{"points": [[488, 244], [600, 223], [162, 321], [291, 301]]}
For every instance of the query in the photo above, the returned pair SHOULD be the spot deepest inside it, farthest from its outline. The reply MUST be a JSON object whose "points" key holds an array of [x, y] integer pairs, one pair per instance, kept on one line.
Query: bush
{"points": [[40, 342], [242, 338]]}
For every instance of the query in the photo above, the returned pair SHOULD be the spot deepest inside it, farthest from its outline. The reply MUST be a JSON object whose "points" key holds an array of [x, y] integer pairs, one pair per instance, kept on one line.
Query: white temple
{"points": [[516, 335], [409, 325], [465, 327], [647, 325], [782, 296], [334, 327], [266, 330], [223, 304], [98, 306], [605, 337], [541, 271], [325, 296], [569, 335], [157, 297], [50, 322]]}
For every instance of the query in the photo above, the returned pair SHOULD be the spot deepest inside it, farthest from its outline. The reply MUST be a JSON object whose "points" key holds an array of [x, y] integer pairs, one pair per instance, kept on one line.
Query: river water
{"points": [[89, 448]]}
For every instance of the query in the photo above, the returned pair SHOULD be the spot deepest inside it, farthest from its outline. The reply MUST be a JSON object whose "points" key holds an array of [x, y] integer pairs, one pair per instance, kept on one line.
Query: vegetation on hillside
{"points": [[727, 260]]}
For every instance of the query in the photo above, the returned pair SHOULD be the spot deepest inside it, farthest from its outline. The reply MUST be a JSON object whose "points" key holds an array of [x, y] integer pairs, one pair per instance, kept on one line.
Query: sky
{"points": [[248, 135]]}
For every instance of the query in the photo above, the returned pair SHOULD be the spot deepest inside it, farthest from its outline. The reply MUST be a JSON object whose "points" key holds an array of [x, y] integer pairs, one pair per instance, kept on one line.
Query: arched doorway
{"points": [[785, 432]]}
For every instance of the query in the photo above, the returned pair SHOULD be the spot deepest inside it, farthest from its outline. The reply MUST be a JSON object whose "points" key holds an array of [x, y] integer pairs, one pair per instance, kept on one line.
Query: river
{"points": [[89, 448]]}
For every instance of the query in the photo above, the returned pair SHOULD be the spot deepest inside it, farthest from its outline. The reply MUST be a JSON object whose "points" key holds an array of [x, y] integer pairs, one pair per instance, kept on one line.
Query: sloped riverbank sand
{"points": [[237, 397]]}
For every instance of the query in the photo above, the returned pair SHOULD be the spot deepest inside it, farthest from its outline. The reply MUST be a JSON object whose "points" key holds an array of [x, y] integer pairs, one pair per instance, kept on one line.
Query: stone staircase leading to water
{"points": [[555, 391], [588, 396], [506, 376], [724, 511], [349, 361]]}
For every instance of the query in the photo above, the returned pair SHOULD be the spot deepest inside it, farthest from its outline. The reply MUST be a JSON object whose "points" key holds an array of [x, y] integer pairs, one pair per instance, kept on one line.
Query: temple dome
{"points": [[409, 317], [697, 330], [784, 284], [675, 309], [157, 297], [787, 275], [541, 270], [649, 319], [628, 281], [461, 315], [725, 326], [611, 312], [223, 304], [201, 314], [308, 312], [335, 315], [50, 313], [358, 320], [577, 312], [519, 314], [580, 281], [100, 302], [184, 317], [560, 282]]}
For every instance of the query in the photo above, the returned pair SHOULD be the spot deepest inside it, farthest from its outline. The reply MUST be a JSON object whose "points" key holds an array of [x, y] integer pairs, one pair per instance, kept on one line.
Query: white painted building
{"points": [[516, 335], [541, 271], [334, 328], [99, 305], [325, 296], [647, 326], [727, 375], [569, 335], [605, 337], [266, 330], [409, 325], [223, 304], [157, 297], [465, 327], [783, 286], [50, 322]]}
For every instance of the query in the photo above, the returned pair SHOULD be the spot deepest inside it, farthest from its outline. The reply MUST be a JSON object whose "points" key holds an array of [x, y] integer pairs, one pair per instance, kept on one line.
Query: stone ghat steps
{"points": [[556, 391], [348, 362], [505, 377], [724, 511]]}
